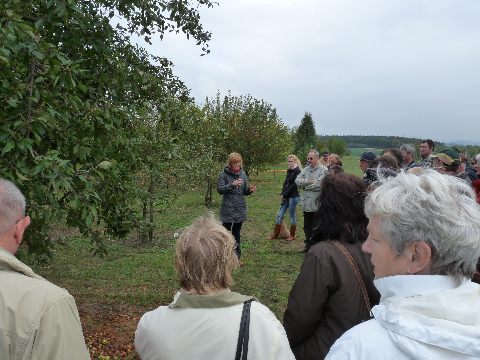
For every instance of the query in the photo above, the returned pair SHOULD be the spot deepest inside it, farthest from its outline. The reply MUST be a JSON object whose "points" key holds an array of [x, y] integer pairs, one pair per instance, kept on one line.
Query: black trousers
{"points": [[235, 229], [308, 227]]}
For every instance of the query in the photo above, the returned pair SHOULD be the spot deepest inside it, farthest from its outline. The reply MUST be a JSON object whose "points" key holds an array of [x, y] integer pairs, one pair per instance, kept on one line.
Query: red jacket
{"points": [[476, 187]]}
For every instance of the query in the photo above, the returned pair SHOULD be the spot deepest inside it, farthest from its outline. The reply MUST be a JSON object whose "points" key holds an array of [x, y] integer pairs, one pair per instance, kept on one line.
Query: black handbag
{"points": [[243, 334]]}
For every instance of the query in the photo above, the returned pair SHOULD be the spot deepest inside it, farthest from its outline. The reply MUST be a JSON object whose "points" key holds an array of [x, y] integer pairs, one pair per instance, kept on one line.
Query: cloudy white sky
{"points": [[366, 67]]}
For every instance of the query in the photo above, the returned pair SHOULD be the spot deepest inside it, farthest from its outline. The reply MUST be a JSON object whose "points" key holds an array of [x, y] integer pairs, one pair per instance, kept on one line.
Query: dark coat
{"points": [[234, 207], [290, 189], [326, 299]]}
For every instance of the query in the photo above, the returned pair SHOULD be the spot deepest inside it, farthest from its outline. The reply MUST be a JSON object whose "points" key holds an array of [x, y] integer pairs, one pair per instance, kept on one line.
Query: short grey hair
{"points": [[477, 157], [436, 208], [408, 149], [317, 154], [12, 204]]}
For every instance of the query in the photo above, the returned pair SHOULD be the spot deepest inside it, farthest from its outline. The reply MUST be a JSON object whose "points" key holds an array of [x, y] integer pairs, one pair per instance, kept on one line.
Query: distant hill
{"points": [[385, 142], [375, 141], [463, 142]]}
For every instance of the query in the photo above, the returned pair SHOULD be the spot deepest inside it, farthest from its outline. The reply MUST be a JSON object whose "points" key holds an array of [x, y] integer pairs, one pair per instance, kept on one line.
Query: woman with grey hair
{"points": [[408, 156], [203, 321], [424, 242]]}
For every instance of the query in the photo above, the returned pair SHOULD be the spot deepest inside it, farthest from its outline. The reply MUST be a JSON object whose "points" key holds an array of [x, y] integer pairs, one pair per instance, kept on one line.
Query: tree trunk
{"points": [[142, 234], [150, 225], [150, 228], [208, 194]]}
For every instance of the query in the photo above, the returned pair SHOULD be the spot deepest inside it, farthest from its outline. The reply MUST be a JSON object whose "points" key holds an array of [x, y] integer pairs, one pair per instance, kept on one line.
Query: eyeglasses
{"points": [[309, 158]]}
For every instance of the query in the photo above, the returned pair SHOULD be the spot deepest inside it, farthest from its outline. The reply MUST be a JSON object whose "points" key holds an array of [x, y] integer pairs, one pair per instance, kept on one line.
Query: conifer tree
{"points": [[305, 136]]}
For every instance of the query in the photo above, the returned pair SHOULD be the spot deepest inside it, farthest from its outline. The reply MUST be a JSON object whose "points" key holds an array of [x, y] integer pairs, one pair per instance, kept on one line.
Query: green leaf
{"points": [[105, 164], [83, 88], [5, 52], [89, 220], [21, 177], [39, 23], [12, 102], [9, 146], [63, 59], [38, 54]]}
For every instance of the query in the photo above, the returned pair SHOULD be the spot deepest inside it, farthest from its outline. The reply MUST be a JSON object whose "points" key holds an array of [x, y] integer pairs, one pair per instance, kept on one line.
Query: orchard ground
{"points": [[114, 291]]}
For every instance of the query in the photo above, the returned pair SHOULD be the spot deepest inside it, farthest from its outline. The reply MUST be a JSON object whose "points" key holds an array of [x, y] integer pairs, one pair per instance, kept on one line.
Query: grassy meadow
{"points": [[112, 292]]}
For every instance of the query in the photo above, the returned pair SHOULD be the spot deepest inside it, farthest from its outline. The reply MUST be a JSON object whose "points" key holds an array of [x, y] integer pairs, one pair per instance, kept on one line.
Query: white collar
{"points": [[411, 285], [8, 260]]}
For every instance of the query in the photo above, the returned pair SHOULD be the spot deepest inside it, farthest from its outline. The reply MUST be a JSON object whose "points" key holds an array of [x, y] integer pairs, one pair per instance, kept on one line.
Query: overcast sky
{"points": [[361, 67]]}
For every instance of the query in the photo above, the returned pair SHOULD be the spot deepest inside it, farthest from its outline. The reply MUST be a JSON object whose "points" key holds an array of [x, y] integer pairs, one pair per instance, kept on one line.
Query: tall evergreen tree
{"points": [[305, 136]]}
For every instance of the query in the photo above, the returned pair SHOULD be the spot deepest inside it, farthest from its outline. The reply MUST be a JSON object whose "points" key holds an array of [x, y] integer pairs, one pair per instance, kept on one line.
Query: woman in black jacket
{"points": [[233, 184], [289, 198]]}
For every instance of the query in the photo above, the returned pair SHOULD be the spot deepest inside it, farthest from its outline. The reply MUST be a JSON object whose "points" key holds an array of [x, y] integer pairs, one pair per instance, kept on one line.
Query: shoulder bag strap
{"points": [[243, 334], [354, 267]]}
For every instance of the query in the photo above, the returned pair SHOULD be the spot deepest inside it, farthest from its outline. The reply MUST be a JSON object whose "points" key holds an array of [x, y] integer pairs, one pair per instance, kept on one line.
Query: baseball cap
{"points": [[448, 156], [368, 156]]}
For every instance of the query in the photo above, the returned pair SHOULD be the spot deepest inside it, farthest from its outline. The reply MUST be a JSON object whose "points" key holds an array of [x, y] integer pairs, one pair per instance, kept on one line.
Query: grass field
{"points": [[112, 292]]}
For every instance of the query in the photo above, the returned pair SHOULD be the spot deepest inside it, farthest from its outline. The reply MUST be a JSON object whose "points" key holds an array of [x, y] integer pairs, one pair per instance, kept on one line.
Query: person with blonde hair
{"points": [[424, 242], [233, 184], [203, 321], [289, 198]]}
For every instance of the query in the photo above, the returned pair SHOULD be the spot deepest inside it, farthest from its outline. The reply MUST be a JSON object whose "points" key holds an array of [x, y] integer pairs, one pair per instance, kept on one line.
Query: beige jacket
{"points": [[311, 192], [38, 320]]}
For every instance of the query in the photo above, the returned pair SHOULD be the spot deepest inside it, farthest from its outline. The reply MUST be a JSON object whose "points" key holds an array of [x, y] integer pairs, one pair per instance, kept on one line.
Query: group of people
{"points": [[386, 274], [365, 238], [447, 161]]}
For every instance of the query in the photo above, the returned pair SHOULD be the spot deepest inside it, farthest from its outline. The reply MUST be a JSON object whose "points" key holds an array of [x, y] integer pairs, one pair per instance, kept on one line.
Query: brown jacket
{"points": [[326, 299]]}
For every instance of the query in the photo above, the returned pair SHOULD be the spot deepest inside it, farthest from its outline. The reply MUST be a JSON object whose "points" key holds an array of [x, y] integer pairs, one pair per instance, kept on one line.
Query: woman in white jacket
{"points": [[424, 241], [203, 321]]}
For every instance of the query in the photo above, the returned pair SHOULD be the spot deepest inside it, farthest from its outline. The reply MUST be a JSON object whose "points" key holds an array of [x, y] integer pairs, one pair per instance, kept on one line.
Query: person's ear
{"points": [[420, 258], [20, 229]]}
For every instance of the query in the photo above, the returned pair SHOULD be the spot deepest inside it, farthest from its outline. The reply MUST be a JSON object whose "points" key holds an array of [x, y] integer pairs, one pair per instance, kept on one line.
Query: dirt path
{"points": [[109, 330]]}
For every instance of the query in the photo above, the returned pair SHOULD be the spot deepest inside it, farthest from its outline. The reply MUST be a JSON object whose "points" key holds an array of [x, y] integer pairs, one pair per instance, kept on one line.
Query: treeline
{"points": [[375, 141]]}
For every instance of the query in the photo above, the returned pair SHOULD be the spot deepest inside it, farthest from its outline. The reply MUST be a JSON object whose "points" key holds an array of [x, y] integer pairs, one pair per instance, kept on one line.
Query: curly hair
{"points": [[340, 215], [233, 158]]}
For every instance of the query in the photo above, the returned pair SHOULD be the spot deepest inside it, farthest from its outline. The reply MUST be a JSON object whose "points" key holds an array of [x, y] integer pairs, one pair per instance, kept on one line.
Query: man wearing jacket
{"points": [[38, 320], [310, 181]]}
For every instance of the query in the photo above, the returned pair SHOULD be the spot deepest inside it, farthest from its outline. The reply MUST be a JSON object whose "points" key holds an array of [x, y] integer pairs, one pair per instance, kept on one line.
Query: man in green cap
{"points": [[449, 163]]}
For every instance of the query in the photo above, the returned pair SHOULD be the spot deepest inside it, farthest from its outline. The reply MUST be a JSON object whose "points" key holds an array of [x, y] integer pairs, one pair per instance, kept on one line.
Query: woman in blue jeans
{"points": [[289, 198]]}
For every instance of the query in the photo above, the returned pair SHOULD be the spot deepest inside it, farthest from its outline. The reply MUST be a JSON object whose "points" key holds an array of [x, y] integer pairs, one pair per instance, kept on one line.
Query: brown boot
{"points": [[293, 228], [276, 232]]}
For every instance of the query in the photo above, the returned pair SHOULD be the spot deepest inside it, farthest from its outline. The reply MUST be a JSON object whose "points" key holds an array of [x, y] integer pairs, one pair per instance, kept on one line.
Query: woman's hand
{"points": [[237, 183], [252, 188]]}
